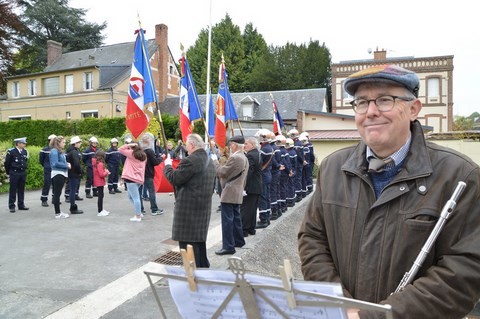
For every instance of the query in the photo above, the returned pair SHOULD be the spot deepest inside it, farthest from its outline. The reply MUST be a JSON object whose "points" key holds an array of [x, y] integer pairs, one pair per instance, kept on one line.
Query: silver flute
{"points": [[446, 211]]}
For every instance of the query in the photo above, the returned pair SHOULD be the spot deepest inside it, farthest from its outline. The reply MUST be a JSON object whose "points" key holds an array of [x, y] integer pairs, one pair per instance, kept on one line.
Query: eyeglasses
{"points": [[383, 103]]}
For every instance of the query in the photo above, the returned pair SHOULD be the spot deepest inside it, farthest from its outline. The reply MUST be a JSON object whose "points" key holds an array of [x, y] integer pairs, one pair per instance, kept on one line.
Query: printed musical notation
{"points": [[208, 298]]}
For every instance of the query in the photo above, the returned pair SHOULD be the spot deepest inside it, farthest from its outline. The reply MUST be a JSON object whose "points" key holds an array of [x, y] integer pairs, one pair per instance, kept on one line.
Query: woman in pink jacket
{"points": [[133, 175], [100, 172]]}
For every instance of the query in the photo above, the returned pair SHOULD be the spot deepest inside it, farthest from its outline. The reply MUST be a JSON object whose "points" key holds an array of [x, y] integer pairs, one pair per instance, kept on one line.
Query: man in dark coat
{"points": [[193, 181], [253, 187]]}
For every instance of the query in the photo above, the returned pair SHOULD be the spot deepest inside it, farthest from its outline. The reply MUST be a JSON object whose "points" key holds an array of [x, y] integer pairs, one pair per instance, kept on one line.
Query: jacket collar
{"points": [[416, 163]]}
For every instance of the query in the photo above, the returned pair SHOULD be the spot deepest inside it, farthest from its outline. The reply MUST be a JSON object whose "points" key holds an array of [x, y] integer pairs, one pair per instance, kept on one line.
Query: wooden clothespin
{"points": [[188, 258], [287, 279]]}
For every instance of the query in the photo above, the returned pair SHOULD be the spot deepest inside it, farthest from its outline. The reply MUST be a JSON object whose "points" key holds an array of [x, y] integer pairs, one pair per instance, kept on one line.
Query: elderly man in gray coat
{"points": [[233, 175], [193, 181]]}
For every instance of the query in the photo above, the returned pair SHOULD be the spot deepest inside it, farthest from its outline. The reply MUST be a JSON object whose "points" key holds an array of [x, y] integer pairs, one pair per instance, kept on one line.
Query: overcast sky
{"points": [[349, 28]]}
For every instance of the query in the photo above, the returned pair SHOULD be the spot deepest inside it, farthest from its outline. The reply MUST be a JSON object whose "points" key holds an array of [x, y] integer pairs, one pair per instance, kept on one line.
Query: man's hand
{"points": [[352, 313], [168, 160], [214, 157]]}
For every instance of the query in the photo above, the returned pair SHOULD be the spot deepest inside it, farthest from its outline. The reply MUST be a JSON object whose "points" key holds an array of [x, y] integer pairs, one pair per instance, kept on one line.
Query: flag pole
{"points": [[207, 104], [144, 50]]}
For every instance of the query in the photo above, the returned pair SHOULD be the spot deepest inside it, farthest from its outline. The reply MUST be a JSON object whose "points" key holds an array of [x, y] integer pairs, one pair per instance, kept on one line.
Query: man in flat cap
{"points": [[376, 204], [233, 175], [16, 168]]}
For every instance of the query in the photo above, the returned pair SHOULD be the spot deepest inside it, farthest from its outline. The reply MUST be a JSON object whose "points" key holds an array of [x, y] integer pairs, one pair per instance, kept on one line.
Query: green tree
{"points": [[462, 123], [54, 20], [255, 50], [11, 33]]}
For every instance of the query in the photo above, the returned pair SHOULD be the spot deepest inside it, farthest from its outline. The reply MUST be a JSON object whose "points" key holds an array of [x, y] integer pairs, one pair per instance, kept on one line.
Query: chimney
{"points": [[54, 51], [161, 39], [379, 55]]}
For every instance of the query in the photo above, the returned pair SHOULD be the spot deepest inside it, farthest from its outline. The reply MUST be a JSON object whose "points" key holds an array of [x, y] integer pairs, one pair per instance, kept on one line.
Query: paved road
{"points": [[88, 266]]}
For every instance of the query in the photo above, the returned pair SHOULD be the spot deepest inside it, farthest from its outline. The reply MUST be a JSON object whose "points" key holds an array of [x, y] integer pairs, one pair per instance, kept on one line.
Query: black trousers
{"points": [[57, 182], [17, 187], [100, 191], [248, 211], [200, 252]]}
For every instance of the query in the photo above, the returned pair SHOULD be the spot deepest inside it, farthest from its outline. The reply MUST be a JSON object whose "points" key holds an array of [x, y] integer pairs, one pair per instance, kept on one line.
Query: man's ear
{"points": [[415, 109]]}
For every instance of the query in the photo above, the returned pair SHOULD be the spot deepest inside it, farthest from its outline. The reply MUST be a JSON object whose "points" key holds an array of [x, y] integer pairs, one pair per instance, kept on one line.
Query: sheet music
{"points": [[204, 302]]}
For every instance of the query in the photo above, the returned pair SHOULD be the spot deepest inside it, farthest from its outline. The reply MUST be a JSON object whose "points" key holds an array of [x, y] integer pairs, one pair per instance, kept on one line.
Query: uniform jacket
{"points": [[99, 173], [368, 244], [254, 175], [113, 157], [193, 181], [44, 159], [74, 157], [16, 161], [88, 154], [233, 176]]}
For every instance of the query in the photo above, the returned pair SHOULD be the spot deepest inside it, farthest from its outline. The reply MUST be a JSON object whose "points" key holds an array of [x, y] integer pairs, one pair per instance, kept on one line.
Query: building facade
{"points": [[436, 86], [87, 83]]}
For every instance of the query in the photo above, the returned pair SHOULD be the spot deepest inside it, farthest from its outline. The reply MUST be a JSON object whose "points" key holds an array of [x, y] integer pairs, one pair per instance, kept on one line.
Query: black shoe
{"points": [[225, 252], [117, 190], [245, 234], [44, 204], [77, 211], [78, 198], [252, 232], [89, 196], [262, 224], [274, 216], [12, 210], [239, 246], [111, 192], [23, 208], [95, 194]]}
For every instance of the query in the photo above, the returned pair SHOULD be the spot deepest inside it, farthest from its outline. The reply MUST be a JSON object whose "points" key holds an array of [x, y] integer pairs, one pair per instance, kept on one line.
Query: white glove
{"points": [[214, 157], [244, 193], [168, 160]]}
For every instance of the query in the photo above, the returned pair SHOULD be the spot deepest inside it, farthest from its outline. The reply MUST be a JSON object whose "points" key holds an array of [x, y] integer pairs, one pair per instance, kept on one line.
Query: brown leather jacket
{"points": [[368, 244]]}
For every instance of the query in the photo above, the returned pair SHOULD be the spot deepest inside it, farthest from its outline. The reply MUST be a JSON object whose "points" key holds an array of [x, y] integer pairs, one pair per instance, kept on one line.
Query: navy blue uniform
{"points": [[291, 195], [282, 188], [16, 167], [274, 185], [113, 158], [44, 159], [299, 170], [306, 169], [311, 163], [266, 155]]}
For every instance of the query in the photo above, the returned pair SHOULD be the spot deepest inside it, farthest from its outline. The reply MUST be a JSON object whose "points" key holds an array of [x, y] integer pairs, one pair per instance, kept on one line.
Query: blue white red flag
{"points": [[190, 107], [142, 96], [277, 119]]}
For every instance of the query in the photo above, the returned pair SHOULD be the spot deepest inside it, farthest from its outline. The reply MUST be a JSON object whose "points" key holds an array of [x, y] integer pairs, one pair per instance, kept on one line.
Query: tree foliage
{"points": [[253, 66], [465, 123], [11, 33], [54, 20]]}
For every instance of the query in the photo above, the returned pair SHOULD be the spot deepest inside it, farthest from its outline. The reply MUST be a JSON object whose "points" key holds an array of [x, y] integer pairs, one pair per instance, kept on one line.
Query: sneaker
{"points": [[61, 215], [44, 204], [103, 213], [157, 212], [136, 219]]}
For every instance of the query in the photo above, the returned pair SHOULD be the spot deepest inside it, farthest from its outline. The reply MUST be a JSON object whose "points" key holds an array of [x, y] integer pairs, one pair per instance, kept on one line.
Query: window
{"points": [[16, 89], [88, 81], [91, 113], [51, 86], [20, 117], [433, 90], [32, 87], [68, 83]]}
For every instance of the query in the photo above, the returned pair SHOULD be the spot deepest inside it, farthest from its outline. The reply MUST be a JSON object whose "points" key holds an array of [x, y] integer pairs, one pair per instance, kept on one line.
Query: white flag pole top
{"points": [[207, 89]]}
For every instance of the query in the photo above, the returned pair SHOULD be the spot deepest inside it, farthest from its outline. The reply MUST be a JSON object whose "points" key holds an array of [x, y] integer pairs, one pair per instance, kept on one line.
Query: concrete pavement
{"points": [[92, 267]]}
